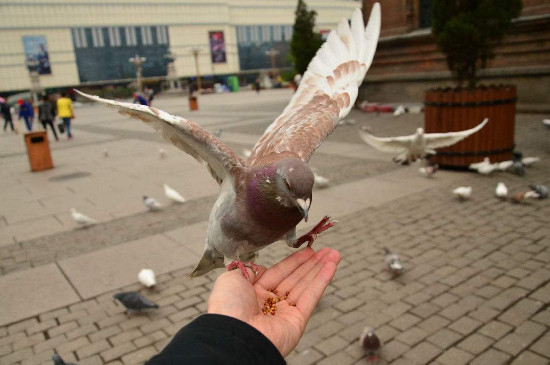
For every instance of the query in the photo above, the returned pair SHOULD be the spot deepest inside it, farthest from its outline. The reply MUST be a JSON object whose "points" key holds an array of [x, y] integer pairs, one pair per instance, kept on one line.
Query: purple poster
{"points": [[217, 46]]}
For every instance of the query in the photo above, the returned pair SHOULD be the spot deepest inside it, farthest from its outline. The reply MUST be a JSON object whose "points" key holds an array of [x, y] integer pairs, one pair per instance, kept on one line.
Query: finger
{"points": [[298, 275], [237, 274], [272, 277], [309, 298]]}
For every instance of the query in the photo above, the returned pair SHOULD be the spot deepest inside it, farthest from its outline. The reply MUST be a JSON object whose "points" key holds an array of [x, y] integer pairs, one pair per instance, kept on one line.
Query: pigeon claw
{"points": [[322, 226], [242, 266]]}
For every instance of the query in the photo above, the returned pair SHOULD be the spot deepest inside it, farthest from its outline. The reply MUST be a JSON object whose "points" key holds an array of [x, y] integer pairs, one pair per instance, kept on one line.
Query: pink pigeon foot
{"points": [[243, 265], [322, 226]]}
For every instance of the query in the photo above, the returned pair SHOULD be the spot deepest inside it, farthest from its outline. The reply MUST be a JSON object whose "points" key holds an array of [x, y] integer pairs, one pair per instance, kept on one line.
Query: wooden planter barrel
{"points": [[450, 110]]}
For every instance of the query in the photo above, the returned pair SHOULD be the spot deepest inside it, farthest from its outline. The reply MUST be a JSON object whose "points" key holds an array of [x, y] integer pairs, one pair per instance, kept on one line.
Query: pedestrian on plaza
{"points": [[46, 114], [65, 112], [150, 95], [6, 113], [257, 86], [138, 98], [236, 329], [26, 112]]}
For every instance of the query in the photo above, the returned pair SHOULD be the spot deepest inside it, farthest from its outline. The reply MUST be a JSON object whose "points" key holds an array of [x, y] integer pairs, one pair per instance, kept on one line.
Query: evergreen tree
{"points": [[467, 32], [305, 42]]}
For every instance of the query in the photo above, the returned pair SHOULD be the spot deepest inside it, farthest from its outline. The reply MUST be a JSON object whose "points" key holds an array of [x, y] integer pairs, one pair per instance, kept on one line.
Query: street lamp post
{"points": [[171, 75], [32, 66], [138, 62], [196, 51]]}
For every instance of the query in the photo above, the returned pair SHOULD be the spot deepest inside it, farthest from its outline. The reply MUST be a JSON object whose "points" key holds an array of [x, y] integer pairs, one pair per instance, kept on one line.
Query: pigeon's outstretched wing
{"points": [[387, 144], [439, 140], [185, 135], [326, 94]]}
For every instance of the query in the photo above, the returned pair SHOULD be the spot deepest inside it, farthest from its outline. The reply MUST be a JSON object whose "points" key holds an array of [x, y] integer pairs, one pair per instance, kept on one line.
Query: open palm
{"points": [[304, 275]]}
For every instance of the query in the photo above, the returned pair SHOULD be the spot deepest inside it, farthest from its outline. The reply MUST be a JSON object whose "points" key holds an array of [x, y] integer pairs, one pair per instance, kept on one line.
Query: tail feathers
{"points": [[210, 260]]}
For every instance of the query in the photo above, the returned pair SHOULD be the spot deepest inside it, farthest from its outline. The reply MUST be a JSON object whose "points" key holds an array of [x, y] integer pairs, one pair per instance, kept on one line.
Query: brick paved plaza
{"points": [[476, 286]]}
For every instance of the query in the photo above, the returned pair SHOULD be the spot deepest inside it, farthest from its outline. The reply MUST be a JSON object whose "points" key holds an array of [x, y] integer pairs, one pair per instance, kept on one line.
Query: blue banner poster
{"points": [[36, 52]]}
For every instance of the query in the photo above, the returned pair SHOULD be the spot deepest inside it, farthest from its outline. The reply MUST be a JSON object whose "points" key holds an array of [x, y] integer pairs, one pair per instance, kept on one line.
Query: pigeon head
{"points": [[420, 131], [294, 184], [145, 197]]}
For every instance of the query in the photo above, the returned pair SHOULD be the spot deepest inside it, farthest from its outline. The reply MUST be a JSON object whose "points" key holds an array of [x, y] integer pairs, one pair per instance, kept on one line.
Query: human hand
{"points": [[304, 275]]}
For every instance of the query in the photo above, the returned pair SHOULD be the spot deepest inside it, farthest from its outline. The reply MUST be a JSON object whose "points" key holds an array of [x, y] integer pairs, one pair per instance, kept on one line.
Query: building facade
{"points": [[75, 42], [407, 61]]}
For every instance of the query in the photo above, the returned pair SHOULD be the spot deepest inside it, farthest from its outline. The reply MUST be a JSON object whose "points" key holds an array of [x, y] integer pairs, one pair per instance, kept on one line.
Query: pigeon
{"points": [[517, 164], [147, 277], [264, 197], [428, 171], [529, 161], [347, 122], [463, 192], [173, 195], [522, 196], [82, 219], [320, 182], [417, 145], [134, 302], [399, 110], [546, 122], [394, 262], [218, 133], [484, 167], [105, 152], [541, 190], [162, 153], [371, 343], [151, 203], [501, 191], [58, 360], [247, 152]]}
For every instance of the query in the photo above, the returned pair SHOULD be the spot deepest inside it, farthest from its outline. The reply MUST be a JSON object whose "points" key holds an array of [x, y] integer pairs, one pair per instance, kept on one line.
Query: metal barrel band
{"points": [[477, 153], [470, 103]]}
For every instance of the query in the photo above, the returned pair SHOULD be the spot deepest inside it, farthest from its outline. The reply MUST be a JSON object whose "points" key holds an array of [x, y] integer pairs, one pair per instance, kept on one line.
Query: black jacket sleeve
{"points": [[217, 339]]}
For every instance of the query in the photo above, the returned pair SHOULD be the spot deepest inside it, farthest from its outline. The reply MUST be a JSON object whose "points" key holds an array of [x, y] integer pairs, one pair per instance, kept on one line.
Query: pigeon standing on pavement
{"points": [[151, 203], [371, 344], [428, 171], [162, 153], [394, 262], [417, 145], [58, 360], [484, 167], [463, 192], [517, 165], [501, 191], [81, 219], [147, 277], [320, 182], [522, 196], [399, 110], [134, 302], [541, 190], [173, 194], [262, 199]]}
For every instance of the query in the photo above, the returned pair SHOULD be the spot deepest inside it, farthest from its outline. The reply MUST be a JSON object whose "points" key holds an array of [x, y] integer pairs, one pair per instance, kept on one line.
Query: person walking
{"points": [[26, 112], [46, 114], [65, 112], [6, 113], [138, 98]]}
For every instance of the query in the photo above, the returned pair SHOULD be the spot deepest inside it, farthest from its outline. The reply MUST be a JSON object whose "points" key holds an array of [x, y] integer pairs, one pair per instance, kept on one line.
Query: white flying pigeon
{"points": [[320, 182], [501, 191], [428, 171], [264, 197], [173, 195], [417, 145], [529, 161], [147, 277], [463, 192], [105, 152], [151, 203], [162, 153], [81, 219]]}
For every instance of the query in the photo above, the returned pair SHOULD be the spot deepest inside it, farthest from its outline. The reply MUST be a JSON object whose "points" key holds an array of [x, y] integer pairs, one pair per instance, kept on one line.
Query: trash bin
{"points": [[193, 103], [38, 150]]}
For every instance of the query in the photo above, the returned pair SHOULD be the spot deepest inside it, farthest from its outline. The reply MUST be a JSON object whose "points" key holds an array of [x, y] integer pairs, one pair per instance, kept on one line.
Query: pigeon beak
{"points": [[303, 205]]}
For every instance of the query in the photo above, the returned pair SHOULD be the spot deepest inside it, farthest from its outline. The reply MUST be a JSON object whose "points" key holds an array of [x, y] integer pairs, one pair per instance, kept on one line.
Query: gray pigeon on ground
{"points": [[134, 302], [151, 203], [394, 262], [541, 190], [517, 167], [57, 360], [264, 197], [370, 343]]}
